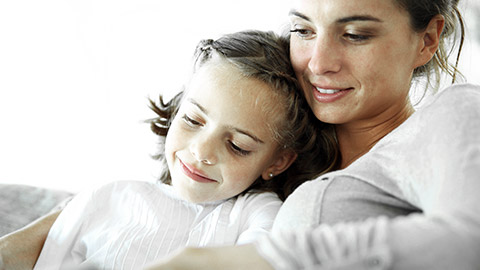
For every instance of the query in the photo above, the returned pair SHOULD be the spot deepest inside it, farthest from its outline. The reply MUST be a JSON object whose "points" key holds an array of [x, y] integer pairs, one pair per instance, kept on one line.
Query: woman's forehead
{"points": [[340, 10]]}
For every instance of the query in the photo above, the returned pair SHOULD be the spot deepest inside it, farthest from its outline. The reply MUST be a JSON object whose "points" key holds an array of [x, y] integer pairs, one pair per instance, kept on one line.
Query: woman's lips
{"points": [[194, 173], [329, 94]]}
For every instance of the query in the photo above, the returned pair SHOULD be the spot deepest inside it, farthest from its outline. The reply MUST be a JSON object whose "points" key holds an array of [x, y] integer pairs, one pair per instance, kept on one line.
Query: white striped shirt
{"points": [[126, 225]]}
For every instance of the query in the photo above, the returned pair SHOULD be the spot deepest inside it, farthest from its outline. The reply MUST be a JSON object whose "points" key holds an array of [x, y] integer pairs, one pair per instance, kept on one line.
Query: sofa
{"points": [[22, 204]]}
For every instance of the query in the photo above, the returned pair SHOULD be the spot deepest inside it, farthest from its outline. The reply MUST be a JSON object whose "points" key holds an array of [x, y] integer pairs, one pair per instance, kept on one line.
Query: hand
{"points": [[221, 258]]}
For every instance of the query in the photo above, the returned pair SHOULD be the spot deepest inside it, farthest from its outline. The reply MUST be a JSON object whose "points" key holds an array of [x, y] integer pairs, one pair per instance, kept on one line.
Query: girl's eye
{"points": [[237, 150], [302, 33], [356, 37], [189, 121]]}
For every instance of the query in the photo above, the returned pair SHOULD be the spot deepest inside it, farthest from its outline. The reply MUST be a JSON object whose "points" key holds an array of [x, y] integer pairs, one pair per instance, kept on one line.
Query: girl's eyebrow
{"points": [[296, 13], [200, 107], [205, 111], [253, 137]]}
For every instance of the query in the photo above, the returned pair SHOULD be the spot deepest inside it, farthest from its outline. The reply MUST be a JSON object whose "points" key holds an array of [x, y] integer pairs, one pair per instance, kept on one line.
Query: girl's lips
{"points": [[328, 95], [194, 173]]}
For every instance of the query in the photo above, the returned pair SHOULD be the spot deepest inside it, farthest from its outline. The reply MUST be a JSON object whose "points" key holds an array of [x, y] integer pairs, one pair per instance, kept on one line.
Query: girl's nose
{"points": [[204, 150], [325, 57]]}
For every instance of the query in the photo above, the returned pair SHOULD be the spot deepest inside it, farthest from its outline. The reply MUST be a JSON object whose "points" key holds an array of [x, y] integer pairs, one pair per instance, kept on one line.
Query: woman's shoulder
{"points": [[453, 110], [415, 160], [447, 112], [467, 87], [454, 97]]}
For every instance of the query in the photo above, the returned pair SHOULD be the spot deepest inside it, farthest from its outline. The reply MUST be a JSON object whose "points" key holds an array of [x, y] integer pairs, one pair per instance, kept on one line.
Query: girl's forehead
{"points": [[227, 94]]}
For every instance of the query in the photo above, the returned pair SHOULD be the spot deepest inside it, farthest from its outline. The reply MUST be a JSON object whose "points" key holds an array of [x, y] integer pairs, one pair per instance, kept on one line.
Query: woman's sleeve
{"points": [[413, 242], [437, 167]]}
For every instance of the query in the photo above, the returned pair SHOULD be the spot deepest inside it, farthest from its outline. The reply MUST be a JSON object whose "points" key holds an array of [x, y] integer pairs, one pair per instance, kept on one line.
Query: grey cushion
{"points": [[22, 204]]}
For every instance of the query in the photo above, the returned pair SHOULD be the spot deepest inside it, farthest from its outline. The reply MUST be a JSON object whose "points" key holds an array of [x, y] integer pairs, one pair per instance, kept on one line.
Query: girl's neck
{"points": [[356, 139]]}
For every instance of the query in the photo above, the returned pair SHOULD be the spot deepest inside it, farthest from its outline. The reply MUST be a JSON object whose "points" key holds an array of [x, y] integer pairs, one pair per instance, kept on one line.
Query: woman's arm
{"points": [[20, 249], [216, 258], [413, 242]]}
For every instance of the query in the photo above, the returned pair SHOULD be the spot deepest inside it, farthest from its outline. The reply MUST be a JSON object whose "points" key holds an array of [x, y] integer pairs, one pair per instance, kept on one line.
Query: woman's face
{"points": [[219, 142], [354, 59]]}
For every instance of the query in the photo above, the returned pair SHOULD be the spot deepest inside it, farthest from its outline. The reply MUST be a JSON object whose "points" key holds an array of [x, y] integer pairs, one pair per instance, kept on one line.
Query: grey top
{"points": [[354, 218]]}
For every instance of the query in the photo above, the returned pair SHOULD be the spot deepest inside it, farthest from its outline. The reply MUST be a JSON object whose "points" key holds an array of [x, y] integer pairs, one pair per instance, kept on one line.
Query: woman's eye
{"points": [[302, 33], [356, 37], [237, 150], [190, 121]]}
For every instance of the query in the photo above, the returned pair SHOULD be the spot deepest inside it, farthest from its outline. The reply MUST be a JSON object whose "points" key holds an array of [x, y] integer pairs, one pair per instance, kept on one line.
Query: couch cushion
{"points": [[22, 204]]}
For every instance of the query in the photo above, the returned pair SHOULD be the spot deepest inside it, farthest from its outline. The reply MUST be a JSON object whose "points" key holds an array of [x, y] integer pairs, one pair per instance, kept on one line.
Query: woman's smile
{"points": [[329, 94]]}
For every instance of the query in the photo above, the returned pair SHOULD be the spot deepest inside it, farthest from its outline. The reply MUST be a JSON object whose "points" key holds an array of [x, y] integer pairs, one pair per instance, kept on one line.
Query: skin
{"points": [[371, 60], [362, 116], [21, 249], [218, 143], [365, 49]]}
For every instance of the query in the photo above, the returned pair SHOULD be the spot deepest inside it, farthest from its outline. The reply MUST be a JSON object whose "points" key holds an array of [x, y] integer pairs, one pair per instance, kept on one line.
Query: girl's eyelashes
{"points": [[237, 150], [190, 122]]}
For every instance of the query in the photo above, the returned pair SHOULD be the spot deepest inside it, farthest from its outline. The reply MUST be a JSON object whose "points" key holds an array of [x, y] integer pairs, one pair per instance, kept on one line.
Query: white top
{"points": [[430, 163], [125, 225]]}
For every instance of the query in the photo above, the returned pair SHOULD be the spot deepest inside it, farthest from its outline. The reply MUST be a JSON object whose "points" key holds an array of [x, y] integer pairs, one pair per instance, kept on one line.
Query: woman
{"points": [[355, 61]]}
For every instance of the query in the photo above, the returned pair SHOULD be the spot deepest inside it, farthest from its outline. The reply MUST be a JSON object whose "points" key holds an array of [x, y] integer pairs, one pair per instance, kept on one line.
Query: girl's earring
{"points": [[270, 175]]}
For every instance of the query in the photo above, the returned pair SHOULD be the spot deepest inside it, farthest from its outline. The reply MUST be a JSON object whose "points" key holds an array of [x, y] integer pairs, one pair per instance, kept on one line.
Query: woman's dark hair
{"points": [[264, 56], [421, 12]]}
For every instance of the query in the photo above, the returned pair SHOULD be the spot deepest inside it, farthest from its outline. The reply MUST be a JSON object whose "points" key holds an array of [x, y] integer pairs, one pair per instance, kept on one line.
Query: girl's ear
{"points": [[430, 40], [280, 164]]}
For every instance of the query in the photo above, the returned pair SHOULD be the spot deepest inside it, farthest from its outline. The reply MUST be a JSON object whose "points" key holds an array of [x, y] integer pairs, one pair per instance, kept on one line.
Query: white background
{"points": [[75, 77]]}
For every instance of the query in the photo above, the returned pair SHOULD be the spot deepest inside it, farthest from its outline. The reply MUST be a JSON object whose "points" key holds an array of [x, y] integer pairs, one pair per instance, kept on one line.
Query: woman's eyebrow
{"points": [[296, 13], [358, 18]]}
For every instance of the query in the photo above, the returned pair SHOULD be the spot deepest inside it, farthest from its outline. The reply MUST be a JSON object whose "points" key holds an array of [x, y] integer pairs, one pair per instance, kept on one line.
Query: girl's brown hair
{"points": [[264, 56]]}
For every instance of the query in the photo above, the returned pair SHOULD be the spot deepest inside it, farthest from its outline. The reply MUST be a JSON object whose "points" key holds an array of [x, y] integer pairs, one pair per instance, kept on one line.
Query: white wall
{"points": [[75, 77]]}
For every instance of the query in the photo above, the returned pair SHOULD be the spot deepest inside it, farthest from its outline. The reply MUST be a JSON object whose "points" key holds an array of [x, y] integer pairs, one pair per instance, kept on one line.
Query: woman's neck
{"points": [[356, 139]]}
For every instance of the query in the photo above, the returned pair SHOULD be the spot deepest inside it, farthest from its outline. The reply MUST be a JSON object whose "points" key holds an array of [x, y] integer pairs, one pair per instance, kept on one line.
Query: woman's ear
{"points": [[280, 164], [430, 39]]}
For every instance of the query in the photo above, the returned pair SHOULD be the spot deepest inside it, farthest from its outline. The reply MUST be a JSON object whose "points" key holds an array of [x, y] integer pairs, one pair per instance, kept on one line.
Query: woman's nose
{"points": [[325, 57], [204, 150]]}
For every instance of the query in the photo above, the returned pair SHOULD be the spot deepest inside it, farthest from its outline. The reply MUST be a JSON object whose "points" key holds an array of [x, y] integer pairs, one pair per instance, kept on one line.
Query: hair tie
{"points": [[206, 45]]}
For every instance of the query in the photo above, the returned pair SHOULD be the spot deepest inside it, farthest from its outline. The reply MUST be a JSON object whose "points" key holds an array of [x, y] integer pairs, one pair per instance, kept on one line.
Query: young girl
{"points": [[226, 143]]}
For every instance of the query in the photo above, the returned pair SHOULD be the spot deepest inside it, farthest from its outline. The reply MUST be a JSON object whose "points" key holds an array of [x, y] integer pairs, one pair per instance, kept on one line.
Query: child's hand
{"points": [[231, 257]]}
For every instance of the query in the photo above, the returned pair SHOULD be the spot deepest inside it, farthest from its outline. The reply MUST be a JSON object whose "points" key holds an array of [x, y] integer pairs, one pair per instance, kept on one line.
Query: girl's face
{"points": [[219, 143], [354, 59]]}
